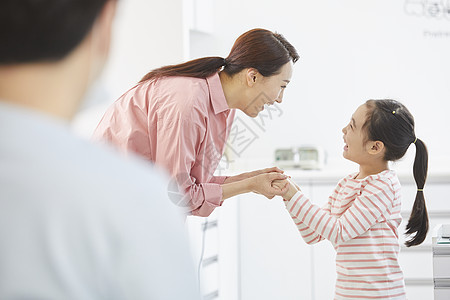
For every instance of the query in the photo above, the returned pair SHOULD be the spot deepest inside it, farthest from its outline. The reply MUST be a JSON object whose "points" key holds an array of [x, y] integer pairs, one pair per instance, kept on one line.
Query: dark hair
{"points": [[261, 49], [390, 122], [44, 30]]}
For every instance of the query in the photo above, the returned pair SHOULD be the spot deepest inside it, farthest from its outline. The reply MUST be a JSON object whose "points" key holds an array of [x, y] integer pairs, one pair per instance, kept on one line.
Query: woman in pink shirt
{"points": [[180, 116]]}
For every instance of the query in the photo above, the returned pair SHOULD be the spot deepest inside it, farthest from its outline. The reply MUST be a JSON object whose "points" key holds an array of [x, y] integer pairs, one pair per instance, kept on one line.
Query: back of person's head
{"points": [[260, 49], [44, 30], [390, 122]]}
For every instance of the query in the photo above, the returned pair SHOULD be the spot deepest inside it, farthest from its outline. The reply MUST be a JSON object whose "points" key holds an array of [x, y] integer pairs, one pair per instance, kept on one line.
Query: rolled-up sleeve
{"points": [[218, 179], [178, 143]]}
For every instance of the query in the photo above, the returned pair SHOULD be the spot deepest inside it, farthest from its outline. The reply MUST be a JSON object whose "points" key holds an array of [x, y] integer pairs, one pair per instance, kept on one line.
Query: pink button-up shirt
{"points": [[180, 124]]}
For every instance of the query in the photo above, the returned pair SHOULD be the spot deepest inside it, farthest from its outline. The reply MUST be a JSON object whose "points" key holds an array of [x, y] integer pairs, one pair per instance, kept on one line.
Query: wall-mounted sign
{"points": [[438, 9]]}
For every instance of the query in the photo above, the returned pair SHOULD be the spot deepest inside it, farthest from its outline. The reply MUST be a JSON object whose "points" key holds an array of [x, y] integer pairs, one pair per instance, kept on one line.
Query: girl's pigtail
{"points": [[418, 221]]}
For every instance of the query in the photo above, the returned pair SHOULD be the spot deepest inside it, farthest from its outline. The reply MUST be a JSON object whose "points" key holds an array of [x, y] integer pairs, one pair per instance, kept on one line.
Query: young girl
{"points": [[362, 215]]}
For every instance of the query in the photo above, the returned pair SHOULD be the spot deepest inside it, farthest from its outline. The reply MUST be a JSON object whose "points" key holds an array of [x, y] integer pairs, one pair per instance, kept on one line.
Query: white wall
{"points": [[351, 50], [146, 35]]}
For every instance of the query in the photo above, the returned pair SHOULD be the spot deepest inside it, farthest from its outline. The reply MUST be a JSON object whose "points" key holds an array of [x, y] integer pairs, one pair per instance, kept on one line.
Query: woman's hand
{"points": [[248, 175], [259, 182], [291, 190], [263, 184], [263, 171]]}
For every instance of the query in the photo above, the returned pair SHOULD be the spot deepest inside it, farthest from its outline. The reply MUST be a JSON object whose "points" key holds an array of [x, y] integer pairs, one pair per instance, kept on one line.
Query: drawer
{"points": [[210, 277], [410, 259], [441, 266], [419, 292], [441, 293]]}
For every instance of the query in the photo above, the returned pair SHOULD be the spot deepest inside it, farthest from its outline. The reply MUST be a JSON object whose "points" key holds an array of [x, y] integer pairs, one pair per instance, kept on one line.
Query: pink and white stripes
{"points": [[360, 219]]}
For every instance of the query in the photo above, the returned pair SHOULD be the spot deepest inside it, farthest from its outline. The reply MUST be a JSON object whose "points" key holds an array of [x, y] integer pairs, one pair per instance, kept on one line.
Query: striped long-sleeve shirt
{"points": [[360, 219]]}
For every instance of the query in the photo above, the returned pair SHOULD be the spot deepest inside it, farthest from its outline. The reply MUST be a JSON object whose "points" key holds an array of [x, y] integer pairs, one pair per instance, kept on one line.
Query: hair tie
{"points": [[225, 62], [415, 141], [393, 112], [419, 190]]}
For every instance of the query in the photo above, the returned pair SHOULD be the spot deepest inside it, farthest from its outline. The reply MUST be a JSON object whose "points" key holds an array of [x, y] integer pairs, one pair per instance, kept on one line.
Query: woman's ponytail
{"points": [[198, 68], [258, 48], [418, 221]]}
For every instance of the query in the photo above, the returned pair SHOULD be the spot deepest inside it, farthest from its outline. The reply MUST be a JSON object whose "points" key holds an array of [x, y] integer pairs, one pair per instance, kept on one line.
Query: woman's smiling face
{"points": [[267, 90]]}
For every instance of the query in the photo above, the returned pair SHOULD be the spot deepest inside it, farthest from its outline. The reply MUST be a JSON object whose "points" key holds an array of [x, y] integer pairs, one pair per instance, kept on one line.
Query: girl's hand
{"points": [[292, 188], [262, 184]]}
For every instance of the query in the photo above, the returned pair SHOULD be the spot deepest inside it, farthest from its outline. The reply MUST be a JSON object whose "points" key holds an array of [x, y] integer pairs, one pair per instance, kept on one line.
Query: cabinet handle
{"points": [[212, 295], [431, 214], [210, 260], [209, 225], [419, 281]]}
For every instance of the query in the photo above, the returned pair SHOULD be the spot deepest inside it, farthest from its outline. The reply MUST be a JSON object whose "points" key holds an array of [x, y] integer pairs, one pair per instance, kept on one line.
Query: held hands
{"points": [[291, 190], [262, 171], [249, 175], [263, 184], [269, 182]]}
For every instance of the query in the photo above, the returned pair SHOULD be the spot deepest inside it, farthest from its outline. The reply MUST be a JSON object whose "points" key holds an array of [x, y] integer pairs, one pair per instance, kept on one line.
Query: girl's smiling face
{"points": [[357, 147]]}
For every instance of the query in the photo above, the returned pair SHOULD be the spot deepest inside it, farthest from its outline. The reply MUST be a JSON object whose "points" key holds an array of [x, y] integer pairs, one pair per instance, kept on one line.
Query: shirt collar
{"points": [[218, 100]]}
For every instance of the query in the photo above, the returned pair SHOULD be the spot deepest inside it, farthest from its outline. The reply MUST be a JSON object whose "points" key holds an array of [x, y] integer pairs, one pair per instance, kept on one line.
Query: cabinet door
{"points": [[214, 243], [416, 262], [323, 253], [274, 260]]}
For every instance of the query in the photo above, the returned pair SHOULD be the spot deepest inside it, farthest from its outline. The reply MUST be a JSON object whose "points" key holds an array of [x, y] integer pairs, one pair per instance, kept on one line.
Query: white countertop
{"points": [[438, 171]]}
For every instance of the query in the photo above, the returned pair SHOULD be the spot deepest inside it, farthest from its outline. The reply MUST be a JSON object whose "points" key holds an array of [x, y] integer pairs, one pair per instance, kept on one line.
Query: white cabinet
{"points": [[417, 261], [274, 261], [214, 242], [323, 253], [441, 262]]}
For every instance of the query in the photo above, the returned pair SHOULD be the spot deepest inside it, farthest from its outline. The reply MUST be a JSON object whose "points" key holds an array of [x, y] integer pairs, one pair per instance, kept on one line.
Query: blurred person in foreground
{"points": [[76, 220]]}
